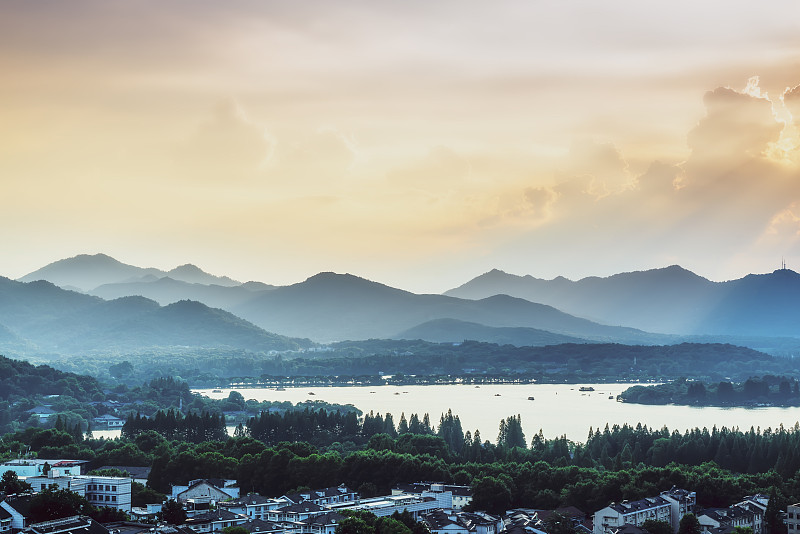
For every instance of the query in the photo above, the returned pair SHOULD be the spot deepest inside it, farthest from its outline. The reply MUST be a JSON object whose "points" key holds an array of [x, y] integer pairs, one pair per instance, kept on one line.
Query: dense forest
{"points": [[722, 465]]}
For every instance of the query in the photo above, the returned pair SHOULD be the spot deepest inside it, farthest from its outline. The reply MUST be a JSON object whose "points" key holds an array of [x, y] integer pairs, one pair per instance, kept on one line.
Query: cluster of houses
{"points": [[214, 504], [628, 517]]}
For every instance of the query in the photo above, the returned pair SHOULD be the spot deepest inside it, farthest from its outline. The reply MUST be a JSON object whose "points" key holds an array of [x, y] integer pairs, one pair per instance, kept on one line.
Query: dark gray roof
{"points": [[68, 525], [214, 515], [635, 506], [306, 506], [20, 503], [438, 519], [328, 518], [251, 499], [258, 525], [133, 471], [627, 528]]}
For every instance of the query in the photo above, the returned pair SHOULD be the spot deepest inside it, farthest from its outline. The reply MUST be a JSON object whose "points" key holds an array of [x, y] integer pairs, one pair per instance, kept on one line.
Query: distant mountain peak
{"points": [[187, 268]]}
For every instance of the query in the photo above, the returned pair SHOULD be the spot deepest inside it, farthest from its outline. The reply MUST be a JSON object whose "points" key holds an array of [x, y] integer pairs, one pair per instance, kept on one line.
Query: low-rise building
{"points": [[749, 512], [615, 515], [389, 504], [33, 467], [324, 496], [295, 512], [444, 522], [5, 521], [68, 525], [324, 523], [254, 505], [215, 521], [259, 526], [108, 492], [793, 518], [669, 506], [460, 495], [18, 508], [206, 490], [108, 421]]}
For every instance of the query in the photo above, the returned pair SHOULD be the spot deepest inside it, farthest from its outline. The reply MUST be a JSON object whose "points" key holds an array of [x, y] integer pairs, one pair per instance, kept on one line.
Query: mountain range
{"points": [[116, 304], [44, 318], [671, 300], [85, 272]]}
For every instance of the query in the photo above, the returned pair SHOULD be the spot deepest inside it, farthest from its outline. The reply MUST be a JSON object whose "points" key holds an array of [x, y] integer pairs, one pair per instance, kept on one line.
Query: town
{"points": [[210, 505]]}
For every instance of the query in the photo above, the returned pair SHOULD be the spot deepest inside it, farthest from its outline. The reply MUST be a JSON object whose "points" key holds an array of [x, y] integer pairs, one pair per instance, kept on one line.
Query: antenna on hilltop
{"points": [[783, 264]]}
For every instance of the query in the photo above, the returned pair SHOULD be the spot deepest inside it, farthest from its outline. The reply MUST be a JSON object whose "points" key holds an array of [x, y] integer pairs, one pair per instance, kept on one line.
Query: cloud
{"points": [[439, 171], [738, 126], [602, 163], [791, 98], [322, 156], [230, 149], [227, 147]]}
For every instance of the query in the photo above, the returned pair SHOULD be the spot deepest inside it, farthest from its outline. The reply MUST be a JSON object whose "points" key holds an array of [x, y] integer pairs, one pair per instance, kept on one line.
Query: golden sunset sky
{"points": [[415, 143]]}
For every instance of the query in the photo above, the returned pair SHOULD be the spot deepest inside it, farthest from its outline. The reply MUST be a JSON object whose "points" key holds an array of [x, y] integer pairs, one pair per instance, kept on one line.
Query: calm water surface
{"points": [[557, 409]]}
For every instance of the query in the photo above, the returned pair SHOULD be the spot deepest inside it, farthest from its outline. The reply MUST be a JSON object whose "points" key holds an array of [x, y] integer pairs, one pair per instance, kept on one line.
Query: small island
{"points": [[755, 392]]}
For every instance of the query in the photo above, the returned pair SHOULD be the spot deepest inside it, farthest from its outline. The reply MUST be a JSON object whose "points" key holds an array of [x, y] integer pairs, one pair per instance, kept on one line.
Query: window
{"points": [[113, 488], [113, 498]]}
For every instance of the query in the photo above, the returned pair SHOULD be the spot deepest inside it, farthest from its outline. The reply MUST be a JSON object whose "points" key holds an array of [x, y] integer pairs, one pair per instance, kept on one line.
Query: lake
{"points": [[557, 409]]}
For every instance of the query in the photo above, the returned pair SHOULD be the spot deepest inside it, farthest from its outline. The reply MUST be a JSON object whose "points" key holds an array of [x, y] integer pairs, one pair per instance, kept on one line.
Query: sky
{"points": [[414, 143]]}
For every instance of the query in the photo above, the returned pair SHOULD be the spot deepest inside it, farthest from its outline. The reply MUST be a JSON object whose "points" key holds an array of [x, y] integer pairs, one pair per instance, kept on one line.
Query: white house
{"points": [[206, 490]]}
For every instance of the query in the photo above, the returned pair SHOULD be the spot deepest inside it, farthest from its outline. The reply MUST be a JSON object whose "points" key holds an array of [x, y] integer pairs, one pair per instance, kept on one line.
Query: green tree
{"points": [[558, 523], [490, 494], [654, 526], [11, 484], [173, 513], [235, 530], [53, 503], [511, 434], [141, 495], [773, 524], [353, 525], [689, 525], [389, 525]]}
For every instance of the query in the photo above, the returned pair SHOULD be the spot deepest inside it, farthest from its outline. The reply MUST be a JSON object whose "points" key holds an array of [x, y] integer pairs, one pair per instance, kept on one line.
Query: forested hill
{"points": [[53, 320], [18, 378]]}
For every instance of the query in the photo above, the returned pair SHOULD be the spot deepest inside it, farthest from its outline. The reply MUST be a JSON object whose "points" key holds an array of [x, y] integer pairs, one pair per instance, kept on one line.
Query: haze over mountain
{"points": [[333, 307], [669, 300], [86, 272], [166, 290], [55, 320], [454, 331], [654, 306]]}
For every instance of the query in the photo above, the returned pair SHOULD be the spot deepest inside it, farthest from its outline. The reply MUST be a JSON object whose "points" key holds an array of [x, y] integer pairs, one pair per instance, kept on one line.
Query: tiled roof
{"points": [[214, 515], [638, 506], [21, 504], [306, 506], [68, 525], [258, 525], [328, 518]]}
